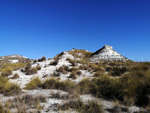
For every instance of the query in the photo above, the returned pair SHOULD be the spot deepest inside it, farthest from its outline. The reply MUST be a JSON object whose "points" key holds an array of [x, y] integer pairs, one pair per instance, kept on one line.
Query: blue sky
{"points": [[36, 28]]}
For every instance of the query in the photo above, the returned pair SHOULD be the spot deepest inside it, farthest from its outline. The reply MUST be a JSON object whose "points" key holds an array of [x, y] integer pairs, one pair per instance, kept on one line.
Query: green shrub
{"points": [[34, 83]]}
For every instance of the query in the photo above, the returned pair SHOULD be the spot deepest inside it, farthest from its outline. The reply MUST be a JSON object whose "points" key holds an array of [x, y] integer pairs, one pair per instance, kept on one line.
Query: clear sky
{"points": [[36, 28]]}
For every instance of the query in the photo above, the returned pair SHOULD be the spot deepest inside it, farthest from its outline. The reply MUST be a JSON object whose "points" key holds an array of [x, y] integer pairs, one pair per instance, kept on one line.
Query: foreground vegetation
{"points": [[8, 88], [81, 107], [126, 82], [131, 86], [7, 68]]}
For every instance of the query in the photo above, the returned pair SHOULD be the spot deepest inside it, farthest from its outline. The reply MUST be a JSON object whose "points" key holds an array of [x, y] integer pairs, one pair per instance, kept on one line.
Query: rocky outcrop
{"points": [[107, 53]]}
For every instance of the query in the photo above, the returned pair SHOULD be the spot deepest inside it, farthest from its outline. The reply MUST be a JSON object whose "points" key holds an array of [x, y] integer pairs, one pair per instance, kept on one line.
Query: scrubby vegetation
{"points": [[80, 53], [15, 76], [2, 110], [72, 62], [31, 70], [55, 62], [53, 83], [6, 69], [26, 102], [63, 69], [90, 107], [34, 83], [131, 87], [42, 59], [126, 82], [8, 88]]}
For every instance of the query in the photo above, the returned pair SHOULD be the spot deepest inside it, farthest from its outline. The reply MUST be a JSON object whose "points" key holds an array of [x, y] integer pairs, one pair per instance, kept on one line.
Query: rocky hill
{"points": [[75, 81], [107, 53]]}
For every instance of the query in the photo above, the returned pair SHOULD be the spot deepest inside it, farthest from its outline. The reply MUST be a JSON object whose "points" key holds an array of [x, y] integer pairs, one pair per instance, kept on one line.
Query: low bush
{"points": [[7, 88], [42, 59], [25, 102], [7, 71], [106, 87], [95, 67], [90, 107], [74, 72], [15, 76], [130, 89], [72, 62], [116, 71], [55, 62], [34, 83], [29, 70], [84, 86], [63, 69], [53, 83], [73, 76], [2, 110], [11, 89]]}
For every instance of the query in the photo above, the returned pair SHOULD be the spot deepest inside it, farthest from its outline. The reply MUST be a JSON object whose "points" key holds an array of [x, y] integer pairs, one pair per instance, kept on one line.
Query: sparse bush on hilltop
{"points": [[35, 61], [79, 53], [42, 59]]}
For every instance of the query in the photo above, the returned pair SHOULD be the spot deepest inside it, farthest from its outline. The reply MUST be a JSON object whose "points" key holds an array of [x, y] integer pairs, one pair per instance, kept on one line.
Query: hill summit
{"points": [[107, 53]]}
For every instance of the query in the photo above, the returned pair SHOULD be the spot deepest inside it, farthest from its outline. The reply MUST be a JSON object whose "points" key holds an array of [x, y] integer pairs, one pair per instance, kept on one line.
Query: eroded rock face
{"points": [[107, 53]]}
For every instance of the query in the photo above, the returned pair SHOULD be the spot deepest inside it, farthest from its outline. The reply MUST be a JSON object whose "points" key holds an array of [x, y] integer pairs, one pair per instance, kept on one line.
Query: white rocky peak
{"points": [[108, 54]]}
